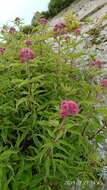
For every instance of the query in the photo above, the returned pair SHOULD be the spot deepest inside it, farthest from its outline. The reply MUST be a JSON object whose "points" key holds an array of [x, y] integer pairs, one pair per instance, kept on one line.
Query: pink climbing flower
{"points": [[43, 21], [77, 31], [28, 42], [104, 83], [68, 108], [2, 50], [12, 30], [97, 63], [26, 54]]}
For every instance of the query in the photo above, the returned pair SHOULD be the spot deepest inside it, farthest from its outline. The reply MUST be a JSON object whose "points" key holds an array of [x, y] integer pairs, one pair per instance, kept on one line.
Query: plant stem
{"points": [[98, 131], [29, 86], [60, 129]]}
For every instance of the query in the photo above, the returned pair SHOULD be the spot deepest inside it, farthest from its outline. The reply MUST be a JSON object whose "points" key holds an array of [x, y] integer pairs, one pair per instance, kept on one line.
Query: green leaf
{"points": [[21, 101], [7, 154]]}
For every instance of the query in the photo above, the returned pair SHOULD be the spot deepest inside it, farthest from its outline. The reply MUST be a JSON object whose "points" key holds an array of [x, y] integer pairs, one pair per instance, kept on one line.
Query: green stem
{"points": [[29, 86], [98, 131], [60, 129]]}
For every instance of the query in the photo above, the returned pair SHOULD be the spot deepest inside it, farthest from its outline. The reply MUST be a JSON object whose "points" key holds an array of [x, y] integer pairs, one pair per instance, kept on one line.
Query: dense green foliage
{"points": [[55, 6], [36, 152]]}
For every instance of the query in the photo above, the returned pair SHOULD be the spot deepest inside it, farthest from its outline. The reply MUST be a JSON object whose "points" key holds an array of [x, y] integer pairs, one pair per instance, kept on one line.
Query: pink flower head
{"points": [[59, 25], [68, 107], [28, 42], [43, 21], [2, 50], [104, 83], [59, 28], [77, 31], [17, 19], [97, 63], [12, 30], [26, 54]]}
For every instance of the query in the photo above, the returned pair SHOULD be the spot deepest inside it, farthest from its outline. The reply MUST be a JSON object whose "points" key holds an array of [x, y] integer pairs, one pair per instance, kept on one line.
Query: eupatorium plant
{"points": [[50, 109]]}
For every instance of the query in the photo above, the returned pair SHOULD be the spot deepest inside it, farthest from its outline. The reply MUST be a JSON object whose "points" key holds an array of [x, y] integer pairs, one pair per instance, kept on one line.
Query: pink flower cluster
{"points": [[98, 63], [26, 54], [2, 50], [59, 28], [17, 19], [68, 108], [28, 42], [43, 21], [12, 30], [104, 83]]}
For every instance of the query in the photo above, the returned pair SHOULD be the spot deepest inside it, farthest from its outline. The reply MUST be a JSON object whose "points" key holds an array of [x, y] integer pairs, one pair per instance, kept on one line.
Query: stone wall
{"points": [[84, 8], [92, 9]]}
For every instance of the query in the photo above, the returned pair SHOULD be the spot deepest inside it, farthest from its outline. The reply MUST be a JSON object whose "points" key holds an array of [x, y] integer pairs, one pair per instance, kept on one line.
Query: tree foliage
{"points": [[55, 6]]}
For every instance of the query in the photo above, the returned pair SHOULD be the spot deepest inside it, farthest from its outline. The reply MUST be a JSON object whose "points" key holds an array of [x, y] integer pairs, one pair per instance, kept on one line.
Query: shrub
{"points": [[50, 109]]}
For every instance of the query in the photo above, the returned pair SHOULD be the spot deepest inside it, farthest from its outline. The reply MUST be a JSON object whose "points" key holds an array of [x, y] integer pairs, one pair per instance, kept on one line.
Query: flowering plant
{"points": [[50, 109]]}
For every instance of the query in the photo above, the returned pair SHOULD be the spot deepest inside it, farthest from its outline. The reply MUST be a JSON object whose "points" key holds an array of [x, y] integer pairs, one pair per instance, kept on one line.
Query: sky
{"points": [[25, 9]]}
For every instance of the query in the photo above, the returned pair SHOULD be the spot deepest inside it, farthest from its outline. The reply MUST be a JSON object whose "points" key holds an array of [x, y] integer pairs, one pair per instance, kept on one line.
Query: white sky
{"points": [[9, 9]]}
